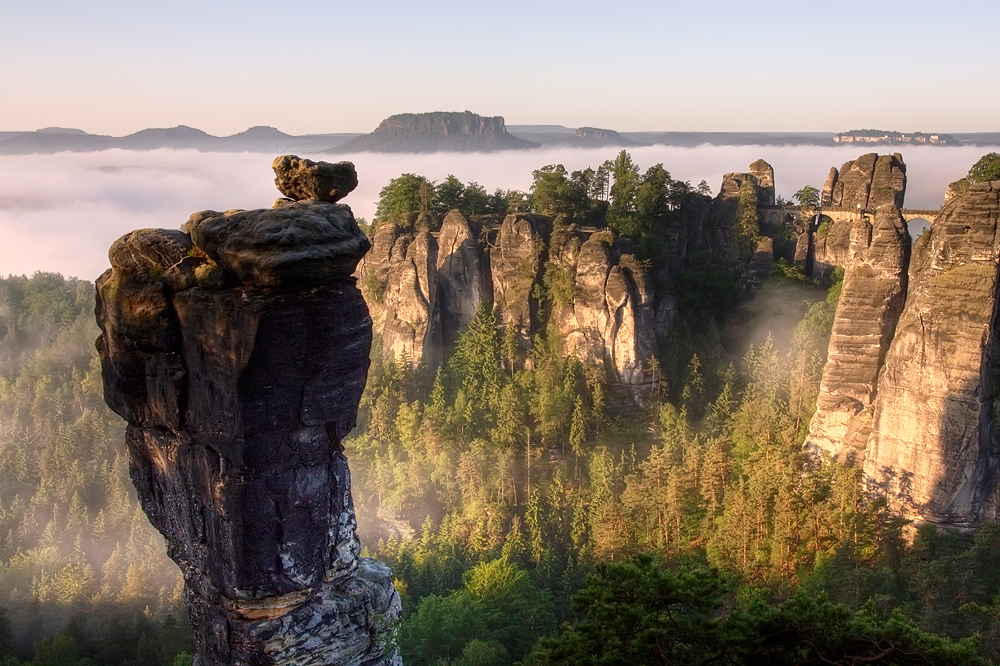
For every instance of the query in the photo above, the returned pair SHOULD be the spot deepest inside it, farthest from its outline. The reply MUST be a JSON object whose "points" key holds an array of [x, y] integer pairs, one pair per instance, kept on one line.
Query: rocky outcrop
{"points": [[868, 182], [424, 288], [237, 355], [826, 198], [763, 174], [610, 321], [301, 179], [516, 261], [935, 448], [460, 275], [831, 246], [412, 328], [858, 189], [870, 304]]}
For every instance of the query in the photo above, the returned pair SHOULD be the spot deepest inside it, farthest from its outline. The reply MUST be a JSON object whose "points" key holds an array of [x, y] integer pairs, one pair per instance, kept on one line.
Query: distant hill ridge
{"points": [[440, 130], [255, 139]]}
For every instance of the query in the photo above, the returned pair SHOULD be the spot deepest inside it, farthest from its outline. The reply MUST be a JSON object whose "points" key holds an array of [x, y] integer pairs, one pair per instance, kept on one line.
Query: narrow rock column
{"points": [[237, 350], [870, 304]]}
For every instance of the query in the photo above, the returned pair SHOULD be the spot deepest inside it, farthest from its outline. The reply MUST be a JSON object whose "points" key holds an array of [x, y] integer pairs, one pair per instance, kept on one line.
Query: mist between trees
{"points": [[495, 485]]}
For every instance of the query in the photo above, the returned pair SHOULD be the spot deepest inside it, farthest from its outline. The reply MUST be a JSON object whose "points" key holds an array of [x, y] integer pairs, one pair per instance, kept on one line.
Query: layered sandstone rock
{"points": [[460, 274], [763, 173], [935, 448], [870, 303], [238, 355], [516, 261], [826, 198], [859, 188], [868, 182], [300, 179], [412, 328], [610, 321]]}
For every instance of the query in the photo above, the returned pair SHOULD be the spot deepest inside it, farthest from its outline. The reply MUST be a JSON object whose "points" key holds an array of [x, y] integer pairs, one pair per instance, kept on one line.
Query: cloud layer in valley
{"points": [[61, 212]]}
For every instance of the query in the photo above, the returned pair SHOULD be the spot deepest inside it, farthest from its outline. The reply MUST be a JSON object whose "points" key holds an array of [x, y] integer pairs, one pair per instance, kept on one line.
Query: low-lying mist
{"points": [[61, 212]]}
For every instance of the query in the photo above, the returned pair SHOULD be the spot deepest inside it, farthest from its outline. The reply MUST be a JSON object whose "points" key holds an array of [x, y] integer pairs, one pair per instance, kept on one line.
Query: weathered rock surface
{"points": [[300, 179], [831, 247], [935, 446], [239, 374], [460, 275], [826, 198], [610, 321], [763, 173], [412, 328], [516, 265], [424, 289], [297, 244], [870, 304], [870, 181]]}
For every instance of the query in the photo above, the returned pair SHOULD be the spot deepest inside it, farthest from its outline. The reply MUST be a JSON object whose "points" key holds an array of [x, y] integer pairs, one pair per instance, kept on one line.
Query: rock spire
{"points": [[237, 351]]}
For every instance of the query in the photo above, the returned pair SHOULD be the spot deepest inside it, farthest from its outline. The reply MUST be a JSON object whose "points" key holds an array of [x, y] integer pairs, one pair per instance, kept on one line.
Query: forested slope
{"points": [[76, 551]]}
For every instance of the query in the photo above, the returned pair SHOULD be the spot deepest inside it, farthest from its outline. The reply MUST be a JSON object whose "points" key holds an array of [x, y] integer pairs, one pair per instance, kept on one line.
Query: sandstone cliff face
{"points": [[610, 321], [870, 181], [423, 290], [412, 326], [761, 174], [460, 275], [863, 185], [516, 261], [934, 446], [237, 351], [870, 304]]}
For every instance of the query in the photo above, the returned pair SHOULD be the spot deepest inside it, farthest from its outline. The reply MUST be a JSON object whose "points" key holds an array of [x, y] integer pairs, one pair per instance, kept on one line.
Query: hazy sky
{"points": [[117, 66], [61, 212]]}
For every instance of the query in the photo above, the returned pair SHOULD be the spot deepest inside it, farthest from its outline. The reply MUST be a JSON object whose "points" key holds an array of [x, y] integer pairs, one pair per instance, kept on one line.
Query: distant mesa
{"points": [[448, 131], [59, 130], [592, 136]]}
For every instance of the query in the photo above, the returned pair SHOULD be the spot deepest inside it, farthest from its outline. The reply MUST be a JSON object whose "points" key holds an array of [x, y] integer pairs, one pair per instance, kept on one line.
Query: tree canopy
{"points": [[986, 169]]}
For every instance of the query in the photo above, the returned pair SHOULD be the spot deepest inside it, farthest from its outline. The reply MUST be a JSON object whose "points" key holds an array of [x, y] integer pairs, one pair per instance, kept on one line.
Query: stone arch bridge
{"points": [[788, 215]]}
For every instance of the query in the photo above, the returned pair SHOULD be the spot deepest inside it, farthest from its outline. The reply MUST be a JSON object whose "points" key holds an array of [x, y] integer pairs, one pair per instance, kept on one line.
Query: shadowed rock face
{"points": [[238, 360], [934, 447]]}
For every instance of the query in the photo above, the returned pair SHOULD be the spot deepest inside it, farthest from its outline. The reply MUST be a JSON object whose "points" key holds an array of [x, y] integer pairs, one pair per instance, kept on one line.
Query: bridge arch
{"points": [[917, 226]]}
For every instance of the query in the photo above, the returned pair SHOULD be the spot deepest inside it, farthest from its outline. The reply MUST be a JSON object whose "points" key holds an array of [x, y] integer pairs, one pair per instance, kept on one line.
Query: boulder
{"points": [[300, 179], [297, 244]]}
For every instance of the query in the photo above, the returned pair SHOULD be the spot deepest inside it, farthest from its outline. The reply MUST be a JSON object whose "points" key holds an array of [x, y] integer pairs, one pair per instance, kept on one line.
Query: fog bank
{"points": [[61, 212]]}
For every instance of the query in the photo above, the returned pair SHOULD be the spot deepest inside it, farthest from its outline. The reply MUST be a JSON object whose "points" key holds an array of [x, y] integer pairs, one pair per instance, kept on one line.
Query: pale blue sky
{"points": [[112, 66]]}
